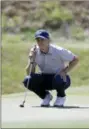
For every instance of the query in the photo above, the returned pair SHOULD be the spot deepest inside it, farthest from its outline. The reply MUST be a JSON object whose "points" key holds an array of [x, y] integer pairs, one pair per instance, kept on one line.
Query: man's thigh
{"points": [[58, 82], [48, 78], [34, 81]]}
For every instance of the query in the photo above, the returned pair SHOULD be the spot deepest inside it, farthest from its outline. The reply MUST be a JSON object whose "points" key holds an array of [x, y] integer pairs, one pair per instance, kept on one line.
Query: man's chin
{"points": [[43, 52]]}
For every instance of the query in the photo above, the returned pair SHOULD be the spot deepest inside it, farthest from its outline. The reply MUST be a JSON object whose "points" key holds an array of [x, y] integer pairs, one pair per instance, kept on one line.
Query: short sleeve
{"points": [[66, 55]]}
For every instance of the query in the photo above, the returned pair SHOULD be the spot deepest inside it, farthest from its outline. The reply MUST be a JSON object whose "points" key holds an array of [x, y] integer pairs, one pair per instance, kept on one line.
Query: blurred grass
{"points": [[14, 60], [63, 16], [27, 36]]}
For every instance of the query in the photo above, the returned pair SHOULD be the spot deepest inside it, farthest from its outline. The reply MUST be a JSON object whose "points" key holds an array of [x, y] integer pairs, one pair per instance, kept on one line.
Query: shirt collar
{"points": [[50, 50]]}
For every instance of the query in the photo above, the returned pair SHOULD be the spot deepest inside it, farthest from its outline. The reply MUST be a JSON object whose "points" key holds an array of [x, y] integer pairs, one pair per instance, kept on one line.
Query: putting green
{"points": [[33, 116], [48, 124]]}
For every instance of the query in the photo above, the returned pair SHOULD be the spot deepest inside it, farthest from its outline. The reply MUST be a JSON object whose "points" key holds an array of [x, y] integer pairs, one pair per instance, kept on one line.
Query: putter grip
{"points": [[32, 60]]}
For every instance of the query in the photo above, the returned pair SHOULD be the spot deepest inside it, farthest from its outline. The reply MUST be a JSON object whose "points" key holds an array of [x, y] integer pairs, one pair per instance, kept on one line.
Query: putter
{"points": [[22, 105], [31, 71]]}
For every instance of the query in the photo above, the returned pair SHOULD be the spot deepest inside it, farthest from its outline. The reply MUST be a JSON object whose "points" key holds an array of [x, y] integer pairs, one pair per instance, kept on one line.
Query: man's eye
{"points": [[42, 40]]}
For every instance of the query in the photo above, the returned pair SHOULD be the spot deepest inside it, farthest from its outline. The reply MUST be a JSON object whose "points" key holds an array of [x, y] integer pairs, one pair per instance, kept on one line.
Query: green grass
{"points": [[14, 60], [18, 38]]}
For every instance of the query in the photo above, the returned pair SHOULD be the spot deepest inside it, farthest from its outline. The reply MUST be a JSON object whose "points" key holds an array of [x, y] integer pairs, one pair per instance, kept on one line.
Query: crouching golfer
{"points": [[51, 60]]}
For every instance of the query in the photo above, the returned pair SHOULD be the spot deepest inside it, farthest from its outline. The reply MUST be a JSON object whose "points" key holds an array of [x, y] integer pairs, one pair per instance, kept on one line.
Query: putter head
{"points": [[21, 105]]}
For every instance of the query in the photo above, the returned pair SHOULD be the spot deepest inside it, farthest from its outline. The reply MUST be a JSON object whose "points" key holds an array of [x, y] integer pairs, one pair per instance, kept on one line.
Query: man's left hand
{"points": [[63, 75]]}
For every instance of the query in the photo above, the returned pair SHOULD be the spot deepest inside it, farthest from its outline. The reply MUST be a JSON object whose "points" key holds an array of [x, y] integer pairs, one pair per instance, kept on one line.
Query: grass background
{"points": [[15, 57]]}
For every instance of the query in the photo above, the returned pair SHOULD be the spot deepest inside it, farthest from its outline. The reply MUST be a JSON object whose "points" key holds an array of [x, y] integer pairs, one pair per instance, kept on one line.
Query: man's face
{"points": [[43, 44]]}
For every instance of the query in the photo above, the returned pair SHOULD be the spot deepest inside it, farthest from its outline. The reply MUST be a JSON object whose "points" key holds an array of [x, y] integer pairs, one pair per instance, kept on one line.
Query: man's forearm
{"points": [[33, 68], [30, 68], [27, 70], [72, 64]]}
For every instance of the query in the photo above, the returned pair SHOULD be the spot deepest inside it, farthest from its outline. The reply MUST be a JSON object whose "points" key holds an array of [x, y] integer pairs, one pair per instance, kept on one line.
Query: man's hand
{"points": [[72, 64], [63, 75], [32, 54], [31, 66]]}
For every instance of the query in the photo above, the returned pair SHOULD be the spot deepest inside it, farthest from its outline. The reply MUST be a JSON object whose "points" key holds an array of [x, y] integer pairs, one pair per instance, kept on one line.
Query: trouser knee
{"points": [[58, 82], [32, 82], [27, 82], [60, 85], [35, 85]]}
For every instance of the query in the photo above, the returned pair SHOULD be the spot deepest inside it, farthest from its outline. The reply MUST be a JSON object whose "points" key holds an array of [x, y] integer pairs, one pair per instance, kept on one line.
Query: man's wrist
{"points": [[66, 70]]}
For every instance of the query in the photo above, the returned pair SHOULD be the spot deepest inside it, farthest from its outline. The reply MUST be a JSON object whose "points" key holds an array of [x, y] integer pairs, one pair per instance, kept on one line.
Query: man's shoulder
{"points": [[56, 47]]}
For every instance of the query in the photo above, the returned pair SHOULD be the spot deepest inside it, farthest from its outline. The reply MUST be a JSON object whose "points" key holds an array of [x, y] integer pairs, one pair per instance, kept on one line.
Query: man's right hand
{"points": [[32, 53]]}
